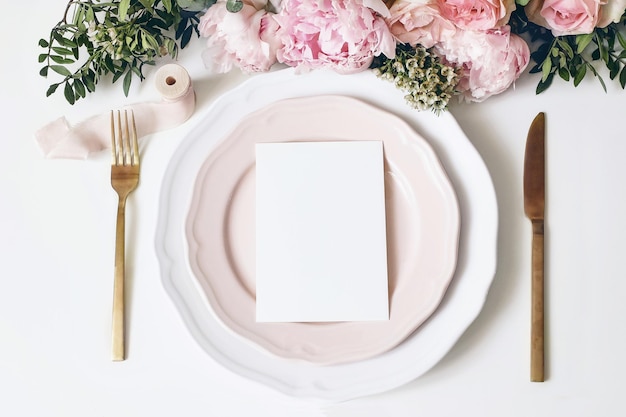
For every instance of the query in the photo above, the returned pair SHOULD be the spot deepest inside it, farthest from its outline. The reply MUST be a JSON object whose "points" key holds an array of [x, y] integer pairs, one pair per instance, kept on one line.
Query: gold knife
{"points": [[534, 206]]}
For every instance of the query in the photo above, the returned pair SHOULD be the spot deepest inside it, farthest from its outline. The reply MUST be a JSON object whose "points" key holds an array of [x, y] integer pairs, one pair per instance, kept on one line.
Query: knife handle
{"points": [[537, 303]]}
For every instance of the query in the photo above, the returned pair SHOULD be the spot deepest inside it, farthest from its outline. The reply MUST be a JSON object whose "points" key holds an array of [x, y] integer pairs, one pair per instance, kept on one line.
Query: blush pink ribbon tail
{"points": [[58, 139]]}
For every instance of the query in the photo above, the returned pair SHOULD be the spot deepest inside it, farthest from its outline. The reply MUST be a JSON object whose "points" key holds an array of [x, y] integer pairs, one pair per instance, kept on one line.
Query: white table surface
{"points": [[56, 245]]}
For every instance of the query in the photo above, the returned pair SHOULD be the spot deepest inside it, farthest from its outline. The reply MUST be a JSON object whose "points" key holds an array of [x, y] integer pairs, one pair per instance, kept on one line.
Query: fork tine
{"points": [[113, 141], [126, 141], [120, 139], [133, 138]]}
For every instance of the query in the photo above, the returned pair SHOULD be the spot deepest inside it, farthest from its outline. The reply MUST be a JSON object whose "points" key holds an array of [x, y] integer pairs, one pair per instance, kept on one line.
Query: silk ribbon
{"points": [[58, 139]]}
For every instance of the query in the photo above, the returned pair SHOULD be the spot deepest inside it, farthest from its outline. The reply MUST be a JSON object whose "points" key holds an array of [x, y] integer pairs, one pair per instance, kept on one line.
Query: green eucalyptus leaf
{"points": [[64, 41], [546, 69], [601, 82], [107, 64], [69, 93], [234, 6], [564, 74], [123, 9], [62, 51], [148, 4], [598, 76], [595, 55], [610, 41], [61, 60], [56, 35], [117, 75], [59, 69], [603, 50], [44, 71], [604, 54], [184, 40], [51, 89], [149, 42], [566, 47], [544, 84], [137, 72], [582, 41], [79, 88], [89, 83], [127, 81], [614, 68], [541, 53], [180, 28], [622, 77], [43, 43], [90, 15], [42, 58], [580, 74], [171, 47], [79, 17], [160, 23], [620, 39]]}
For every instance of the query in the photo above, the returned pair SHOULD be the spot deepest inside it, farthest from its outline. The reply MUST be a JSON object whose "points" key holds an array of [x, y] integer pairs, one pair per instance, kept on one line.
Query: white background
{"points": [[56, 251]]}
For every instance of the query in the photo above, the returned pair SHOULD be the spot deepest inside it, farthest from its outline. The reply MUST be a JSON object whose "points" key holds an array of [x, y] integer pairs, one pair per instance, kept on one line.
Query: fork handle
{"points": [[118, 322], [537, 302]]}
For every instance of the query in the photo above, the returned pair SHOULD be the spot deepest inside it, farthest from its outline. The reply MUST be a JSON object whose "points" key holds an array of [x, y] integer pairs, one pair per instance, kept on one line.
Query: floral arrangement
{"points": [[433, 50]]}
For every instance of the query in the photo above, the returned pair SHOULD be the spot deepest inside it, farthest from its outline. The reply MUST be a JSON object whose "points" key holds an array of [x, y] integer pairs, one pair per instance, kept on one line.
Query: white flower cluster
{"points": [[428, 82], [105, 38]]}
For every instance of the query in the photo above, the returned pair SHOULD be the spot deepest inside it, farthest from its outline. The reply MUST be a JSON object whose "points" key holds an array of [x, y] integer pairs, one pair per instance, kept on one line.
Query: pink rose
{"points": [[490, 60], [343, 35], [419, 22], [244, 39], [565, 17], [611, 12], [477, 14]]}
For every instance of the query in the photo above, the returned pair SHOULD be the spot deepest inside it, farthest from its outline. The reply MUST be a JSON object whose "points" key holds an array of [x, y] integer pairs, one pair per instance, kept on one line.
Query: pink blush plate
{"points": [[423, 224]]}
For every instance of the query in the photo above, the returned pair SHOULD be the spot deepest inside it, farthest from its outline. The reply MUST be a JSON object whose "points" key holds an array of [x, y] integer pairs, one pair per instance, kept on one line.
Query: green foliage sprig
{"points": [[95, 38], [429, 84], [572, 57]]}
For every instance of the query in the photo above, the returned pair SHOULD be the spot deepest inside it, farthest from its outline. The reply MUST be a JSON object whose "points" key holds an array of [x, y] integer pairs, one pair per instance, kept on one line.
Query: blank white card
{"points": [[321, 252]]}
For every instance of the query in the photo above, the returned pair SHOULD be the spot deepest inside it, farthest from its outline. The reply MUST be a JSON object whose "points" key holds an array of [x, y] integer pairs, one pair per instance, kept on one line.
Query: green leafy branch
{"points": [[97, 38], [572, 57]]}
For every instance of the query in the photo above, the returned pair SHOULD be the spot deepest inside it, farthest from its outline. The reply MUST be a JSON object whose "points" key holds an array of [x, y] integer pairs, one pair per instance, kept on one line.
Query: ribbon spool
{"points": [[60, 140]]}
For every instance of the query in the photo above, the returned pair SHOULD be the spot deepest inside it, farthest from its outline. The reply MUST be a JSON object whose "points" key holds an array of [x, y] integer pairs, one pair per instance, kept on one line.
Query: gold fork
{"points": [[124, 179]]}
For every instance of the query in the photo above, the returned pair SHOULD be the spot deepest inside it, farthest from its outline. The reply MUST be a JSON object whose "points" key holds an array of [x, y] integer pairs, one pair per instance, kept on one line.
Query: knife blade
{"points": [[534, 207]]}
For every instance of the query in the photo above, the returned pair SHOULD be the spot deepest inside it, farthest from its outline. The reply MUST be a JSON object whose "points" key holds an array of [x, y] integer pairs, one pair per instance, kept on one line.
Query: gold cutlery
{"points": [[124, 179], [534, 206]]}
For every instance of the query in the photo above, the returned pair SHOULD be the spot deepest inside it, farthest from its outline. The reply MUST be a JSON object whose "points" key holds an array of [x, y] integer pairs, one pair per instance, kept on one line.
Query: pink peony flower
{"points": [[245, 39], [565, 17], [343, 35], [491, 60], [419, 22], [477, 14]]}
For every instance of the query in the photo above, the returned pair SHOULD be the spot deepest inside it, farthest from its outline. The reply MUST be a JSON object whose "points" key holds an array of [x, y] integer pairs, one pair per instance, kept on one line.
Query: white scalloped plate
{"points": [[420, 351], [422, 225]]}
